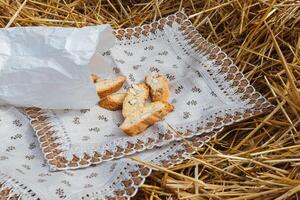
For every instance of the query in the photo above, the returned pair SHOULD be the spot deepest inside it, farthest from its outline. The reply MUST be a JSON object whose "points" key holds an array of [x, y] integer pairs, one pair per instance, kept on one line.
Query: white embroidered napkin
{"points": [[24, 173], [207, 91]]}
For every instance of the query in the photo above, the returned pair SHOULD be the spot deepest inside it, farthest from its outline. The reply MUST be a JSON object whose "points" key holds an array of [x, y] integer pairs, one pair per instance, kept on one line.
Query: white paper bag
{"points": [[48, 67]]}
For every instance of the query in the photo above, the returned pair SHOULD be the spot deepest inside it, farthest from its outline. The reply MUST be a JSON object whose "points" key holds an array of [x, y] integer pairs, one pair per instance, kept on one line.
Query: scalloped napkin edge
{"points": [[229, 72], [125, 185]]}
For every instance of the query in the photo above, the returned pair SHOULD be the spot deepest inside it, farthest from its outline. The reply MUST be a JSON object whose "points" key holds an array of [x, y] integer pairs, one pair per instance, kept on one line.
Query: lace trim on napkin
{"points": [[216, 64], [125, 185], [12, 189], [174, 155]]}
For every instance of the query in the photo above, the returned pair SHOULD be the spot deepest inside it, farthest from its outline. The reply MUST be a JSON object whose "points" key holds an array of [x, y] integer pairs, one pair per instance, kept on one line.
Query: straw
{"points": [[254, 159]]}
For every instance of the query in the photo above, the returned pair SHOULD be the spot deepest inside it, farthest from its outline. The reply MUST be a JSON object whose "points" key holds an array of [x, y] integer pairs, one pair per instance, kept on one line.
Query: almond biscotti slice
{"points": [[95, 78], [159, 86], [140, 120], [105, 87], [135, 98], [113, 101]]}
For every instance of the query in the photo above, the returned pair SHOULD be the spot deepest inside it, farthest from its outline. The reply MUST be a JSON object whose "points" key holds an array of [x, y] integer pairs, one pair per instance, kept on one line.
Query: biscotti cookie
{"points": [[159, 86], [95, 77], [135, 98], [105, 87], [146, 116], [113, 101]]}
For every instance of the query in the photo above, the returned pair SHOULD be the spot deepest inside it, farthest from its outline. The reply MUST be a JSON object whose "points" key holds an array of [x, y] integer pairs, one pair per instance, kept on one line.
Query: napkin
{"points": [[206, 89], [48, 67], [24, 173]]}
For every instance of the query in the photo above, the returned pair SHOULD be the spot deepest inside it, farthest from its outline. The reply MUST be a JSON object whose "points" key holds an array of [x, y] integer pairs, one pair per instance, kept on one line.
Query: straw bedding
{"points": [[255, 159]]}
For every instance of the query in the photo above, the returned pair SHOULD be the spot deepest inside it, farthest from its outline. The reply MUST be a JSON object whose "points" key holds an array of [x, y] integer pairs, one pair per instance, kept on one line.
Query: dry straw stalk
{"points": [[255, 159]]}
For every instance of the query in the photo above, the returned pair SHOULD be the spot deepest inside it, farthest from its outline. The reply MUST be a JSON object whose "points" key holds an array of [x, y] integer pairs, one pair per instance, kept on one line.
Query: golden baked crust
{"points": [[105, 87], [94, 78], [113, 101], [133, 127], [159, 86], [135, 98]]}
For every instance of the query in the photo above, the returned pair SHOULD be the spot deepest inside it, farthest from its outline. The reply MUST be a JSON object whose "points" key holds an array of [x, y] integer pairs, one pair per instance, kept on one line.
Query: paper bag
{"points": [[48, 67]]}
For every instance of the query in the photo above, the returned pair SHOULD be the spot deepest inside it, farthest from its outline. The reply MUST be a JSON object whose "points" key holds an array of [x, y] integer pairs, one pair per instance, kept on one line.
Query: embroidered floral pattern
{"points": [[28, 164], [212, 80], [17, 123], [76, 120]]}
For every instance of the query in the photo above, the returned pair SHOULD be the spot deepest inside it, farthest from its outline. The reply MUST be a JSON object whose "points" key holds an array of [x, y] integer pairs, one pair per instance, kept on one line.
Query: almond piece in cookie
{"points": [[113, 101], [135, 98], [159, 86], [141, 119], [105, 87]]}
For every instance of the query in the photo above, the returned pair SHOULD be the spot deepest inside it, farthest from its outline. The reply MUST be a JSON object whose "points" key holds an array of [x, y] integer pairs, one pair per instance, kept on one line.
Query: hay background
{"points": [[255, 159]]}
